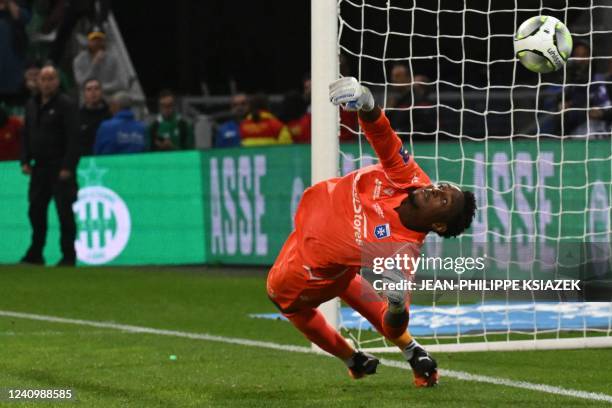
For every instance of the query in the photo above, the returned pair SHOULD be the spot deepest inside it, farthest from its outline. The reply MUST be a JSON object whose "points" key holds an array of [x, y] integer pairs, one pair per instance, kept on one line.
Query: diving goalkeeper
{"points": [[393, 201]]}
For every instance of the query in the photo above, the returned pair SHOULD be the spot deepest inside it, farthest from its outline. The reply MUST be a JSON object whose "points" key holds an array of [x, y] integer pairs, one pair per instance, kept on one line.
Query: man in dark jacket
{"points": [[93, 112], [50, 156]]}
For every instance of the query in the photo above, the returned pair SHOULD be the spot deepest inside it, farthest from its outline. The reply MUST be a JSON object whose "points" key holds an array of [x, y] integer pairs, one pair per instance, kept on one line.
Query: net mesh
{"points": [[535, 149]]}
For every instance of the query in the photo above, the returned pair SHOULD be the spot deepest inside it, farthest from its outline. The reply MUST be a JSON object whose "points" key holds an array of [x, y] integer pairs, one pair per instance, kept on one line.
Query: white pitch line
{"points": [[458, 375]]}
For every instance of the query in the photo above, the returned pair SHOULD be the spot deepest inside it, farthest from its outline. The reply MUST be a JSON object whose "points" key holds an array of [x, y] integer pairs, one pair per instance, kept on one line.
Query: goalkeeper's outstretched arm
{"points": [[351, 95], [443, 208]]}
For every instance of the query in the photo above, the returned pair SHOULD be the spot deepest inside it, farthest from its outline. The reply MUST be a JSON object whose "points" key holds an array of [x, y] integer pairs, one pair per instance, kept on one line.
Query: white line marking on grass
{"points": [[46, 333], [462, 375], [458, 375]]}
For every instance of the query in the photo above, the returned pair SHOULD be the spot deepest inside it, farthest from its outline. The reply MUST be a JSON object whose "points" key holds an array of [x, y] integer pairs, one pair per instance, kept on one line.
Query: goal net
{"points": [[535, 150]]}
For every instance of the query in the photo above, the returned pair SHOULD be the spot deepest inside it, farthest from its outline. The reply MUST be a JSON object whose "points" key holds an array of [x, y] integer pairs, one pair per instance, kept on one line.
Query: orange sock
{"points": [[361, 296], [313, 325]]}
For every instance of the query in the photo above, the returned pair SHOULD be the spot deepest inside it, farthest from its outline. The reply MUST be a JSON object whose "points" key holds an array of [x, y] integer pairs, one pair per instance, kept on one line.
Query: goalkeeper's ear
{"points": [[463, 220]]}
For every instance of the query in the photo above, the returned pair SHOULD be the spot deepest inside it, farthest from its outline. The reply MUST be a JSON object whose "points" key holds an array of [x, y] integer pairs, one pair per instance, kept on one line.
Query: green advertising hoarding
{"points": [[236, 206], [131, 210], [251, 196], [550, 189]]}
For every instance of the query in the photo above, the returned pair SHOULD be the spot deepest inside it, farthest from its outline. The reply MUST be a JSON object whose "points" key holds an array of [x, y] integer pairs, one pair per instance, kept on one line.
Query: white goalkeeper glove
{"points": [[351, 95]]}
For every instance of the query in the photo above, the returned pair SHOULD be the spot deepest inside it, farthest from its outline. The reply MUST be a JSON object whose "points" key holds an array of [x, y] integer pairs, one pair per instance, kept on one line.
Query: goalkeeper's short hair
{"points": [[463, 220]]}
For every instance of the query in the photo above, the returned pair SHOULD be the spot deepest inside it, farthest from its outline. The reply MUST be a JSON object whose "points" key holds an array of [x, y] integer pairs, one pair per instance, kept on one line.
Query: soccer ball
{"points": [[543, 44]]}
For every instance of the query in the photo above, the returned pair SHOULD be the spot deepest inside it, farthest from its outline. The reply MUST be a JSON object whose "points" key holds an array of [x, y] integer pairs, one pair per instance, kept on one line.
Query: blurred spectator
{"points": [[582, 95], [30, 80], [604, 113], [607, 77], [51, 143], [349, 123], [261, 127], [400, 80], [13, 45], [170, 131], [10, 135], [122, 133], [51, 14], [570, 103], [96, 11], [228, 133], [295, 115], [413, 112], [94, 111], [98, 62], [15, 104]]}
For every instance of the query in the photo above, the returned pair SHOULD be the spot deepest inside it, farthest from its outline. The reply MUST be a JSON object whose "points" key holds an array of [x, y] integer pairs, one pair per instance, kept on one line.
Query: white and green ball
{"points": [[543, 44]]}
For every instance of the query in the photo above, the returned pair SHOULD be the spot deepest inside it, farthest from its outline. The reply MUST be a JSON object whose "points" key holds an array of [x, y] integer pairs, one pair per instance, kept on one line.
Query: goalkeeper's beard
{"points": [[412, 197]]}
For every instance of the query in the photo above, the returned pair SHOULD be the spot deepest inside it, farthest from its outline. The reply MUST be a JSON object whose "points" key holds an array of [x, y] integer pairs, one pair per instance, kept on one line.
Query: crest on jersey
{"points": [[382, 231]]}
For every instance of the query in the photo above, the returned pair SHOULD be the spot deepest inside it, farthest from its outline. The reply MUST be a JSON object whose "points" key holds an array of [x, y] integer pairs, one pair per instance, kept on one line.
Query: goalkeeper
{"points": [[390, 202]]}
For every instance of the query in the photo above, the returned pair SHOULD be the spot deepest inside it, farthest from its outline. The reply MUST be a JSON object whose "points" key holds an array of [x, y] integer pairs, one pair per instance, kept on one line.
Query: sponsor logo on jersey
{"points": [[382, 231], [359, 220], [415, 179]]}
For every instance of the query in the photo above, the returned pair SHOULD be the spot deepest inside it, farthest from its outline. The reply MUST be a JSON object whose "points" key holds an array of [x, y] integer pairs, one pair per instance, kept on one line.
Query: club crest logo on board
{"points": [[103, 219]]}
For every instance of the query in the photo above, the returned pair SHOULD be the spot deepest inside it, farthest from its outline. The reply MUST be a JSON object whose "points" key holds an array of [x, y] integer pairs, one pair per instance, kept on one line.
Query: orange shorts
{"points": [[292, 285]]}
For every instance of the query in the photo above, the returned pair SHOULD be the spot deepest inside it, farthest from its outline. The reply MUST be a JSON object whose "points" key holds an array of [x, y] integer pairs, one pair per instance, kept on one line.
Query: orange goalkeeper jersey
{"points": [[336, 218]]}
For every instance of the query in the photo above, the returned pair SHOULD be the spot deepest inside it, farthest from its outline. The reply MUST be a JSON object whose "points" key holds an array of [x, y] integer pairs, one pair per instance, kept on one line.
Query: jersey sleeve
{"points": [[399, 166]]}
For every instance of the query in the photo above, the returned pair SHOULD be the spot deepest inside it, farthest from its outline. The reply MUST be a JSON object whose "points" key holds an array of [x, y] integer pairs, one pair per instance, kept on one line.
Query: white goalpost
{"points": [[476, 117], [324, 70]]}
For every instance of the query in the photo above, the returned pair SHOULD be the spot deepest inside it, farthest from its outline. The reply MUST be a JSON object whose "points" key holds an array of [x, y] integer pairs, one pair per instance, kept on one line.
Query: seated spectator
{"points": [[295, 115], [96, 11], [13, 45], [413, 112], [400, 80], [349, 124], [98, 62], [170, 131], [261, 127], [51, 15], [11, 128], [228, 133], [607, 77], [122, 133], [604, 113], [30, 80], [94, 111], [580, 93]]}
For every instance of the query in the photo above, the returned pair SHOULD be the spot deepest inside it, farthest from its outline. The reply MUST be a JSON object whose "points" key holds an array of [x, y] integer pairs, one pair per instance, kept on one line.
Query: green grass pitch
{"points": [[112, 368]]}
